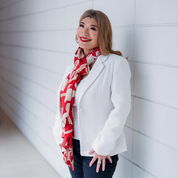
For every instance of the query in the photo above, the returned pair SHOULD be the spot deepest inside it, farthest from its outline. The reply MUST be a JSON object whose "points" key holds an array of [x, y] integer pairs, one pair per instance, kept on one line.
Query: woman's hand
{"points": [[100, 158]]}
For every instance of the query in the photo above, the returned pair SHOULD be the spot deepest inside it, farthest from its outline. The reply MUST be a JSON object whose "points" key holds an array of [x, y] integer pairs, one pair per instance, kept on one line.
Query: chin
{"points": [[82, 46]]}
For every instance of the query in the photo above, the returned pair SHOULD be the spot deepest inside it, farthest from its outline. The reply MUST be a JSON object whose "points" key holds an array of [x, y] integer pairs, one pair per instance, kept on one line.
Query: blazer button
{"points": [[81, 110]]}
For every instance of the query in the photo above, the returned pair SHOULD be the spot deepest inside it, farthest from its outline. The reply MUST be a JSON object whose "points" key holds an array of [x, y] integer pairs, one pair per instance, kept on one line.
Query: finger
{"points": [[91, 151], [98, 167], [92, 161], [103, 164], [110, 159]]}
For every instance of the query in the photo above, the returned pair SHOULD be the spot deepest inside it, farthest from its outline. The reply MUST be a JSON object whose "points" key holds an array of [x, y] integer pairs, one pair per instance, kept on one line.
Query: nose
{"points": [[85, 32]]}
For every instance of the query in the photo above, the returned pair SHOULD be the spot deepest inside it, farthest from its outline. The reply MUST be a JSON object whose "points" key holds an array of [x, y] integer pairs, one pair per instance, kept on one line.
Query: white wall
{"points": [[37, 43]]}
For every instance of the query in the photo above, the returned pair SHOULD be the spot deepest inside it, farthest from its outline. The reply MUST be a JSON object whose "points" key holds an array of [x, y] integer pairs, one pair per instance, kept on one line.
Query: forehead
{"points": [[89, 21]]}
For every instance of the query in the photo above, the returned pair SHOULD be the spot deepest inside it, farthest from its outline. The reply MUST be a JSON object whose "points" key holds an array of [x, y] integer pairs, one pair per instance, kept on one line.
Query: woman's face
{"points": [[87, 34]]}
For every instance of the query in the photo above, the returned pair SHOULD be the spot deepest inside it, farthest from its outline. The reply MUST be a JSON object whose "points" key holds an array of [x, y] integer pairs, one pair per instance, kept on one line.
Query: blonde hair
{"points": [[105, 31]]}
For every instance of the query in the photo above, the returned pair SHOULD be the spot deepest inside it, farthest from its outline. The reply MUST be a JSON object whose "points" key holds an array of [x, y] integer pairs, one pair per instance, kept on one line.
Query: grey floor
{"points": [[18, 158]]}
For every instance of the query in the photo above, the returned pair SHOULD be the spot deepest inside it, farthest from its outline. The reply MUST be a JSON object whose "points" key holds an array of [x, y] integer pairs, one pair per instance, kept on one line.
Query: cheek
{"points": [[95, 37], [78, 31]]}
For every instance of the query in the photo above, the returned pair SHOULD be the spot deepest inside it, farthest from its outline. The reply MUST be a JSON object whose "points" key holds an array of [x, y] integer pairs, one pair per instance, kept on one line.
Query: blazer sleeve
{"points": [[57, 128], [121, 99]]}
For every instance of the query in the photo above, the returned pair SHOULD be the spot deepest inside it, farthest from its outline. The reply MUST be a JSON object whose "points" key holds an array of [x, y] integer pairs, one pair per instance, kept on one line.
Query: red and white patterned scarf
{"points": [[67, 99]]}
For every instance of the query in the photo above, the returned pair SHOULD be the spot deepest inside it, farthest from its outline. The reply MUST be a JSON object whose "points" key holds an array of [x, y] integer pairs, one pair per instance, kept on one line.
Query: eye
{"points": [[93, 29], [81, 25]]}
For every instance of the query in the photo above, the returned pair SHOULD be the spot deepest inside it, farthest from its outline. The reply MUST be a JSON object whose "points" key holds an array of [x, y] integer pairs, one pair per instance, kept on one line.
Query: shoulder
{"points": [[114, 59], [117, 63]]}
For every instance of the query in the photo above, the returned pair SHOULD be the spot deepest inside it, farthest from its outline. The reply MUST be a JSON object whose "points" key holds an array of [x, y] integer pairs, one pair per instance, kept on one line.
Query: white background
{"points": [[37, 42]]}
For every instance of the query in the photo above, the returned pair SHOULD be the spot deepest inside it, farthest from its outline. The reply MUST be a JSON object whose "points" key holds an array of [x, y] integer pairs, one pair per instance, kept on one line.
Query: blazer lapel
{"points": [[94, 73]]}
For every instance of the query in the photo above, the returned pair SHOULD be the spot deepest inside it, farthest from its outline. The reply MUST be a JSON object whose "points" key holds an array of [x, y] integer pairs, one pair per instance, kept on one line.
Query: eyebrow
{"points": [[90, 25]]}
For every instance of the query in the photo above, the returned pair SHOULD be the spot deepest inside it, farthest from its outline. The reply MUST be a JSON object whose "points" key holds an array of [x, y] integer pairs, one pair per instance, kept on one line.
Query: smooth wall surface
{"points": [[37, 42]]}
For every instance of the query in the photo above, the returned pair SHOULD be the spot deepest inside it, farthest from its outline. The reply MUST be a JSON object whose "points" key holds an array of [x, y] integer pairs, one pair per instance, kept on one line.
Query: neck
{"points": [[85, 51]]}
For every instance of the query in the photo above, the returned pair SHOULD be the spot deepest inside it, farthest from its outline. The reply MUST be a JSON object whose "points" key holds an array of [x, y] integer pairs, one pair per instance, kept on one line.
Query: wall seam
{"points": [[31, 81], [38, 12], [28, 96], [155, 102], [151, 138], [31, 130], [133, 163], [29, 64], [28, 47], [1, 8], [26, 108]]}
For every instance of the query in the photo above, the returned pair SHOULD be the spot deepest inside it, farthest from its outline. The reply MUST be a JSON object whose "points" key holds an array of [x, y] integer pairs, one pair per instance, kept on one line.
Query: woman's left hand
{"points": [[100, 158]]}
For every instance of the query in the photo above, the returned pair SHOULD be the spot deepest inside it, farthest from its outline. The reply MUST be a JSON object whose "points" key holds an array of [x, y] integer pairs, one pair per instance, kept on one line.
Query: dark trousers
{"points": [[82, 169]]}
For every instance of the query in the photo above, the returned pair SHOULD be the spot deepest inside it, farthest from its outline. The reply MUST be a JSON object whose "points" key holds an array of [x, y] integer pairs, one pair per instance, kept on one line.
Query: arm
{"points": [[121, 99], [57, 128]]}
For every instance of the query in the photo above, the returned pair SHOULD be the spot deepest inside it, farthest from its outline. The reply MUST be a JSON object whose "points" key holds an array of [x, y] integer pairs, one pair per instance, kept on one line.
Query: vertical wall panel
{"points": [[156, 83], [156, 121], [119, 12], [123, 169], [157, 45], [156, 11], [123, 39], [72, 19], [155, 157], [140, 173]]}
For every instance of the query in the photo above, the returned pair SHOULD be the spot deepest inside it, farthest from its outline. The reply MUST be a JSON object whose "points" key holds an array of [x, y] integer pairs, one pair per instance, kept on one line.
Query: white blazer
{"points": [[103, 107]]}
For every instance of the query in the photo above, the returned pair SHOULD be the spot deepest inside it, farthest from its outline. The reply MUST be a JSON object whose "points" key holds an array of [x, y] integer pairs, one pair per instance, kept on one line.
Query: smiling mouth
{"points": [[83, 39]]}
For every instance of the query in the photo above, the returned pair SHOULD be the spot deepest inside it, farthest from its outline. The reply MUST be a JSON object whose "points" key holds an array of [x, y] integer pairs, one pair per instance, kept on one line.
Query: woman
{"points": [[94, 100]]}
